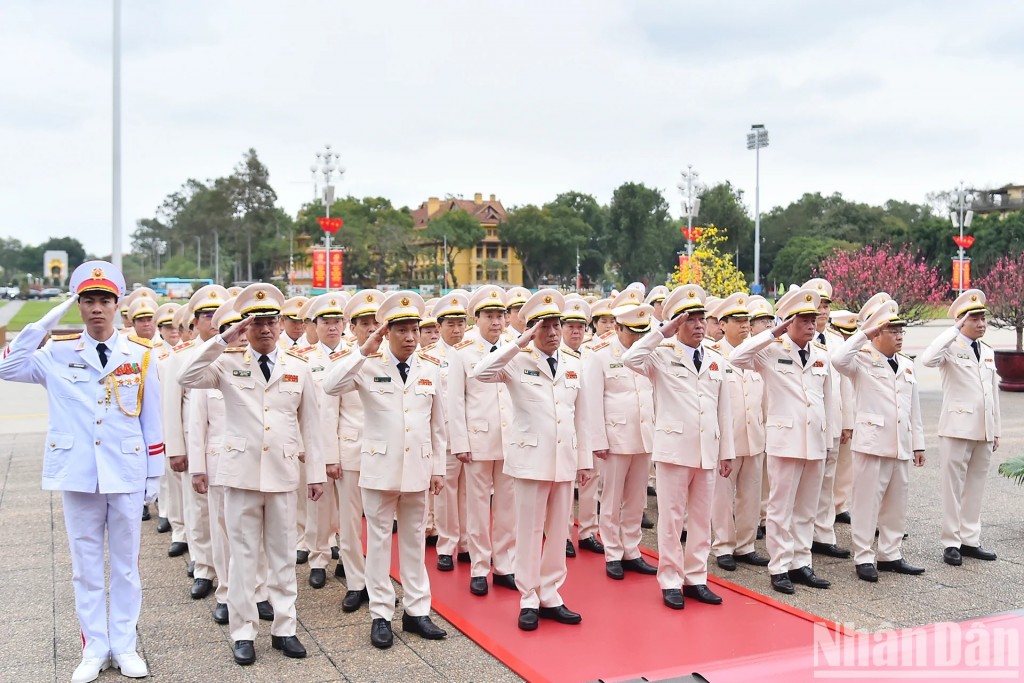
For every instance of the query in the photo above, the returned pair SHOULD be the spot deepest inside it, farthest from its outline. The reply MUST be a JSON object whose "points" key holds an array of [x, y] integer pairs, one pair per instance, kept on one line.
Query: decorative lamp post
{"points": [[691, 206], [756, 139], [326, 160], [961, 218]]}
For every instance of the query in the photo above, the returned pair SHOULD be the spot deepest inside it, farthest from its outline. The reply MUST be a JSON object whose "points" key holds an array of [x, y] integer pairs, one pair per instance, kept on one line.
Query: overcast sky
{"points": [[875, 100]]}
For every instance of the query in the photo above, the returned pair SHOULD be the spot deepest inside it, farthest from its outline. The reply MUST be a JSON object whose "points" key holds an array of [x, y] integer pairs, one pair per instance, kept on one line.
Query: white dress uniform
{"points": [[969, 423], [548, 444], [322, 516], [403, 446], [450, 517], [888, 430], [843, 324], [797, 435], [104, 452], [692, 435]]}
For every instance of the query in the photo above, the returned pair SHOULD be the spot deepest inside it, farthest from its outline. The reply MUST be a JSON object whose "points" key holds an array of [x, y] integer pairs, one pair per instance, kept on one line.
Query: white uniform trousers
{"points": [[765, 490], [736, 507], [89, 517], [879, 502], [490, 517], [380, 508], [222, 553], [843, 486], [962, 481], [256, 519], [300, 514], [587, 512], [542, 510], [450, 509], [321, 527], [792, 502], [197, 524], [825, 514], [623, 497], [350, 534], [172, 506], [684, 497]]}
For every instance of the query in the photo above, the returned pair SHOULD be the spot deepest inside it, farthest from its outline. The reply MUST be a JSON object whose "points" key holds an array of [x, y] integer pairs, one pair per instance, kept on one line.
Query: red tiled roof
{"points": [[489, 212]]}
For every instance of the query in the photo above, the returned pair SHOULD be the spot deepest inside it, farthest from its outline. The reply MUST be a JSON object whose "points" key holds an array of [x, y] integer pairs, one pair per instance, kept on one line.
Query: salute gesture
{"points": [[236, 332], [670, 328], [373, 342]]}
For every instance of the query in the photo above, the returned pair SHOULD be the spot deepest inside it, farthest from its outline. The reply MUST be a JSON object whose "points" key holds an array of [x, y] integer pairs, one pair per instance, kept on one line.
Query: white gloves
{"points": [[152, 489], [50, 320]]}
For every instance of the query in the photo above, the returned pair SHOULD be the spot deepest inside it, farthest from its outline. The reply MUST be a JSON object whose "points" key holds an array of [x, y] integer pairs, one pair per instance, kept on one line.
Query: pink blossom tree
{"points": [[859, 274], [1004, 289]]}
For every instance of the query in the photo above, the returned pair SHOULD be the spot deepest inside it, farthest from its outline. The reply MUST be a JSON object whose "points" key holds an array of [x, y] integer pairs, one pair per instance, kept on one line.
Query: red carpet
{"points": [[626, 631]]}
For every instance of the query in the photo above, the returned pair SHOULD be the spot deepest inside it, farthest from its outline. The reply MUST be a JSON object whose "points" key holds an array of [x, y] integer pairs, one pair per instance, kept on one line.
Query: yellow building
{"points": [[489, 262]]}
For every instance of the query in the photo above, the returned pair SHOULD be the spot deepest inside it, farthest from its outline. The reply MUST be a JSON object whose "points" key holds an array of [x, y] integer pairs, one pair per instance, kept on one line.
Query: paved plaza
{"points": [[181, 642]]}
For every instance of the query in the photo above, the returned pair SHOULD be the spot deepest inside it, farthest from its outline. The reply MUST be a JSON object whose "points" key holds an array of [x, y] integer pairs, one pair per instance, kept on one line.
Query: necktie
{"points": [[821, 338], [101, 349], [265, 366], [403, 370], [494, 348], [977, 349], [803, 356], [553, 364], [696, 359], [894, 365]]}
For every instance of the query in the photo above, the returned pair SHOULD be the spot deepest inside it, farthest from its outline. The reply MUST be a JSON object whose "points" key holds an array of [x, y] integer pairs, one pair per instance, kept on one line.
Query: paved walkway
{"points": [[8, 311]]}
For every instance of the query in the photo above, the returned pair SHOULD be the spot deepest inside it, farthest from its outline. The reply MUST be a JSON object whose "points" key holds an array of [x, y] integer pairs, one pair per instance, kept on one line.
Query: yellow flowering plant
{"points": [[709, 267]]}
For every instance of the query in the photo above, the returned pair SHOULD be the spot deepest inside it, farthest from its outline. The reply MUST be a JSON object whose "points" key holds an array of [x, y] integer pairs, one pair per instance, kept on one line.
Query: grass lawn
{"points": [[34, 310]]}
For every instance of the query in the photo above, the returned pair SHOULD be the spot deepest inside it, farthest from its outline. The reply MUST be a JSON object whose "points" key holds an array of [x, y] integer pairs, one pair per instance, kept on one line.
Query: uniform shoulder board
{"points": [[306, 349], [526, 350], [234, 349], [463, 344], [427, 357], [778, 340], [340, 354], [570, 352], [66, 337], [667, 344], [184, 345], [428, 346], [296, 354], [379, 354], [598, 347], [140, 341], [820, 346], [607, 334]]}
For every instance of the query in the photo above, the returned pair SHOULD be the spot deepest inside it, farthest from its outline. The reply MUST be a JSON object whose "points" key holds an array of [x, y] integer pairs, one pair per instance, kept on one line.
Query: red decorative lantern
{"points": [[691, 234], [964, 242], [330, 225]]}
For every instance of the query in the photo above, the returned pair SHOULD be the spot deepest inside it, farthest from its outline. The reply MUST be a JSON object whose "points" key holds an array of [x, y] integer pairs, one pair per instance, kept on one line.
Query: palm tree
{"points": [[1013, 469]]}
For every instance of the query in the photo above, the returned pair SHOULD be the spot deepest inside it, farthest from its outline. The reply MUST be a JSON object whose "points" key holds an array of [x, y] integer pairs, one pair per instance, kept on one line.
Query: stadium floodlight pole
{"points": [[756, 139], [691, 207], [327, 159], [115, 249]]}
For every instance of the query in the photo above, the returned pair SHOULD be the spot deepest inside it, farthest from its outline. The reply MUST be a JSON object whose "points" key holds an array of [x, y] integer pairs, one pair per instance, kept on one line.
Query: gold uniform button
{"points": [[53, 445], [267, 428], [407, 449], [99, 422], [266, 448], [97, 442]]}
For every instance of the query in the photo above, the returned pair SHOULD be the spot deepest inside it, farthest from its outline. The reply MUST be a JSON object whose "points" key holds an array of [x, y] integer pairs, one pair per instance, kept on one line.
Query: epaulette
{"points": [[66, 337], [296, 354], [866, 349], [526, 350], [606, 334], [234, 349], [140, 341], [820, 346], [428, 346], [376, 355], [598, 347], [306, 349], [570, 352], [428, 357], [778, 340], [339, 354], [463, 344], [667, 345], [184, 345]]}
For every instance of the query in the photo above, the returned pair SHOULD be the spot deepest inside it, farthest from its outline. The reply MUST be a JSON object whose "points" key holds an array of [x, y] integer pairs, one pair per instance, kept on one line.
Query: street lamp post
{"points": [[691, 207], [756, 139], [327, 159], [199, 252], [961, 218]]}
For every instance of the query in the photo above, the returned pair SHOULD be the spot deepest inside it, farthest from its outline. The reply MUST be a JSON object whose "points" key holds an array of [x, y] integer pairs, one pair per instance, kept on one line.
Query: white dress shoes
{"points": [[89, 669], [131, 665]]}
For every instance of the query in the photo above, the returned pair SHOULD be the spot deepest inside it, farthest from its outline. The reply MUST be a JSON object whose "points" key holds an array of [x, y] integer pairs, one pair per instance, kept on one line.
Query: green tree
{"points": [[641, 239], [799, 259], [721, 205], [546, 240], [594, 254], [458, 230]]}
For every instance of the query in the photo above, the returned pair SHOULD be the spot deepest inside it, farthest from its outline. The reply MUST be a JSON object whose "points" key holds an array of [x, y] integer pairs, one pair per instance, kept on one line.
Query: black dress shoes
{"points": [[952, 556], [201, 588], [505, 581], [651, 491], [701, 593], [640, 566], [561, 614], [673, 597], [761, 532], [528, 619], [423, 627], [867, 572], [190, 569], [177, 549], [289, 646], [339, 571], [613, 570], [163, 525], [829, 549], [592, 544], [463, 557], [353, 599], [244, 652], [977, 552], [335, 552], [726, 562], [752, 558], [265, 610], [432, 540], [682, 536], [444, 563], [645, 522], [394, 526], [380, 634], [478, 585], [220, 613], [570, 551], [317, 578], [899, 566], [301, 556], [145, 513], [782, 584], [806, 576], [843, 518]]}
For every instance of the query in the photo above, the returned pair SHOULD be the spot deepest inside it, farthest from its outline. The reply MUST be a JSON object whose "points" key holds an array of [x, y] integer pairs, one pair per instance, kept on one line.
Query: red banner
{"points": [[336, 268], [319, 268], [961, 268]]}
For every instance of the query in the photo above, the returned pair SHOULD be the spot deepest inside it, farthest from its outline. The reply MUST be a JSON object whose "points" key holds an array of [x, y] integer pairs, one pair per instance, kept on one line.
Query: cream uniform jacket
{"points": [[481, 414], [842, 389], [888, 413], [799, 397], [622, 402], [404, 437], [320, 360], [693, 417], [206, 419], [174, 397], [549, 439], [746, 394], [261, 434], [970, 388], [350, 418]]}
